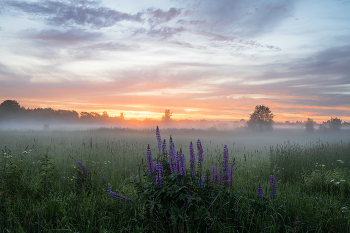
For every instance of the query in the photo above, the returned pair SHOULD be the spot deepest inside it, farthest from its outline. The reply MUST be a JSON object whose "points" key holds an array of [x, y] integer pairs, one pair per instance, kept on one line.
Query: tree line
{"points": [[260, 120], [11, 110]]}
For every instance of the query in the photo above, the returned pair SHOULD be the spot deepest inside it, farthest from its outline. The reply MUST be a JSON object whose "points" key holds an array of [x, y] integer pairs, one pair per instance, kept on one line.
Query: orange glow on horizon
{"points": [[192, 110]]}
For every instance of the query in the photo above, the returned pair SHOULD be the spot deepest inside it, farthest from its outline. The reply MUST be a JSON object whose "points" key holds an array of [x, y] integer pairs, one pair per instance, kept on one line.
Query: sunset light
{"points": [[213, 60]]}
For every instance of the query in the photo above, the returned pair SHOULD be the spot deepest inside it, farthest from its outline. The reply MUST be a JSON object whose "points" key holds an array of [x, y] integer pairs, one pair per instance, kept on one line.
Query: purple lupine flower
{"points": [[133, 177], [230, 174], [178, 162], [182, 164], [171, 144], [192, 160], [164, 147], [221, 178], [200, 182], [158, 138], [118, 196], [225, 161], [200, 157], [273, 186], [214, 174], [260, 191], [150, 161], [103, 178], [159, 171], [81, 165]]}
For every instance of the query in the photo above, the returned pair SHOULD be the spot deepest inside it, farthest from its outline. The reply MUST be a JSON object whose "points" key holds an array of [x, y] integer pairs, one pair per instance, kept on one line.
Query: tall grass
{"points": [[43, 188]]}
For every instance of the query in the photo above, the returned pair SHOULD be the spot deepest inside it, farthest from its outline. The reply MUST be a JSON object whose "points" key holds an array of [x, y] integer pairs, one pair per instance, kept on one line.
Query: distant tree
{"points": [[121, 117], [309, 125], [167, 115], [105, 115], [334, 123], [10, 104], [261, 119]]}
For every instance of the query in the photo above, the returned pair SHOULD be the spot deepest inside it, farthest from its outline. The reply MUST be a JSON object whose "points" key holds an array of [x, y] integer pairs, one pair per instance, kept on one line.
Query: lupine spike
{"points": [[192, 160], [273, 186], [260, 191], [200, 157], [118, 196], [164, 148], [81, 165], [159, 171], [159, 140]]}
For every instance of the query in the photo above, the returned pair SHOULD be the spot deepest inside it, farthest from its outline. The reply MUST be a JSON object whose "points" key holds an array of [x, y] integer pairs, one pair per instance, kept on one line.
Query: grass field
{"points": [[43, 188]]}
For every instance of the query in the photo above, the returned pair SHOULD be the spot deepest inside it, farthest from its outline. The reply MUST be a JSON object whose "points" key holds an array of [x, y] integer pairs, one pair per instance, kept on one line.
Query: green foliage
{"points": [[335, 123], [261, 119], [309, 125], [307, 198], [332, 182]]}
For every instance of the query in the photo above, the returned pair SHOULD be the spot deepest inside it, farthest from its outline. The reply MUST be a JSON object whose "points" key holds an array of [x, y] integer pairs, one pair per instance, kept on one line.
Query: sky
{"points": [[212, 59]]}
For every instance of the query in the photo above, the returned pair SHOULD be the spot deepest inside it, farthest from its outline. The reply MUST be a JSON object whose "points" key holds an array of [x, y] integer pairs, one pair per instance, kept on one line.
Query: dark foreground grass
{"points": [[312, 196]]}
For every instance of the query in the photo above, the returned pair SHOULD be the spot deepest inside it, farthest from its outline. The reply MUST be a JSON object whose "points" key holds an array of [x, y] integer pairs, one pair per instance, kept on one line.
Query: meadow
{"points": [[44, 189]]}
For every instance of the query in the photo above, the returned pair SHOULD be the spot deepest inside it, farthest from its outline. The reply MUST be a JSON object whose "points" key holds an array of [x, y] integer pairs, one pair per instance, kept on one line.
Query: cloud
{"points": [[71, 36], [236, 18], [165, 32], [73, 13], [110, 46], [159, 16], [7, 73]]}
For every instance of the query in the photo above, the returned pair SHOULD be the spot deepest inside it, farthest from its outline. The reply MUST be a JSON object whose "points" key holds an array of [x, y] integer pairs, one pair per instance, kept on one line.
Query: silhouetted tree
{"points": [[261, 119], [121, 117], [167, 115], [334, 123], [309, 125], [10, 104], [105, 115]]}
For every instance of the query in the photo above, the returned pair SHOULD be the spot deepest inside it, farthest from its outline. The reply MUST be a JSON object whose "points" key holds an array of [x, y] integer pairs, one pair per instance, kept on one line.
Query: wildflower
{"points": [[82, 167], [164, 147], [342, 180], [159, 171], [214, 174], [273, 186], [200, 182], [149, 161], [103, 178], [182, 164], [158, 137], [225, 161], [200, 156], [337, 183], [331, 180], [118, 196], [133, 177], [192, 160], [260, 191]]}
